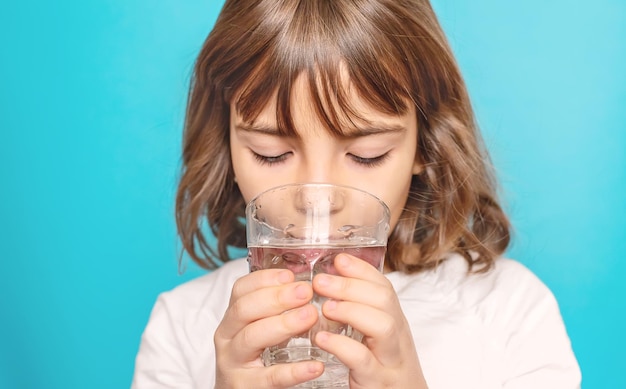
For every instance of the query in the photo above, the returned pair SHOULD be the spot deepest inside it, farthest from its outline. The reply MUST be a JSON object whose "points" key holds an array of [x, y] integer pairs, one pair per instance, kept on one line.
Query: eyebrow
{"points": [[348, 133], [373, 129], [258, 128]]}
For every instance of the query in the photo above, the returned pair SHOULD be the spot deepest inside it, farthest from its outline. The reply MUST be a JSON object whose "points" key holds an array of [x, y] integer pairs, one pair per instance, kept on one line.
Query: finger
{"points": [[350, 266], [366, 368], [388, 337], [285, 375], [261, 303], [382, 330], [379, 295], [260, 279], [353, 354], [371, 322], [248, 344]]}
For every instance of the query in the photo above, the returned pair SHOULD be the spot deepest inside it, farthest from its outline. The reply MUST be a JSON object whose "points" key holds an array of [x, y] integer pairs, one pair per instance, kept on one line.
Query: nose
{"points": [[316, 171], [319, 199], [319, 159]]}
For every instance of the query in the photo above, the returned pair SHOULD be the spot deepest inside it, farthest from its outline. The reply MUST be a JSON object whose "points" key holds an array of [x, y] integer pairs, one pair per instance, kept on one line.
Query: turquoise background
{"points": [[92, 96]]}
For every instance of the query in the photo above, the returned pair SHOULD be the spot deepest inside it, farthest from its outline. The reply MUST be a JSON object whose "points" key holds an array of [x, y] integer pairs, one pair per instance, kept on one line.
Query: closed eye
{"points": [[270, 160], [370, 162]]}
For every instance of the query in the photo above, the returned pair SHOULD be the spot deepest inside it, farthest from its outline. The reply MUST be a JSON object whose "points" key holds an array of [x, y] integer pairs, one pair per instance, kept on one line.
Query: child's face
{"points": [[380, 159]]}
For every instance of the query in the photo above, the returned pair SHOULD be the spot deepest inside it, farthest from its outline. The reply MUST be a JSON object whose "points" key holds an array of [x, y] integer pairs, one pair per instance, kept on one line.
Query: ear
{"points": [[418, 167]]}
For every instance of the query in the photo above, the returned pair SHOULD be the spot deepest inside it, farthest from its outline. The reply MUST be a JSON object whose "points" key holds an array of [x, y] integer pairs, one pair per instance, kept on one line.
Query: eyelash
{"points": [[269, 161], [367, 162], [370, 162]]}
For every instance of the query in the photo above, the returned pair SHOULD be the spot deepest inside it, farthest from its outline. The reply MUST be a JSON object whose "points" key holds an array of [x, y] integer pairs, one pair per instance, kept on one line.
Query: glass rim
{"points": [[386, 210]]}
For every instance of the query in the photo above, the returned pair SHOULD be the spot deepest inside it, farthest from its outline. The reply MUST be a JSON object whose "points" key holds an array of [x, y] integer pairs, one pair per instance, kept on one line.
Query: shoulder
{"points": [[507, 279], [510, 290], [505, 318], [451, 281], [506, 298], [228, 273], [505, 271], [523, 317], [504, 294], [208, 292], [175, 350]]}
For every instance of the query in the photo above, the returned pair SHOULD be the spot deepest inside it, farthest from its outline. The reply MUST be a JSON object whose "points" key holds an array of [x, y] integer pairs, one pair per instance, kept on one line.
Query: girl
{"points": [[364, 93]]}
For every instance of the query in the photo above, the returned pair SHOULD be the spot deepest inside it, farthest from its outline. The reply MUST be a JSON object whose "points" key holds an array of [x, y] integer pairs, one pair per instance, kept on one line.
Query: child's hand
{"points": [[364, 298], [255, 320]]}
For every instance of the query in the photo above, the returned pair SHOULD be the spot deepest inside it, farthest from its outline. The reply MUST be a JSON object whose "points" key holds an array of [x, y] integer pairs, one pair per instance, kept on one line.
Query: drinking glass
{"points": [[302, 227]]}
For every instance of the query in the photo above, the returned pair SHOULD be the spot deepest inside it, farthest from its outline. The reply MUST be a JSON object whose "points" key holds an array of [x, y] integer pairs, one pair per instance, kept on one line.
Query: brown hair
{"points": [[394, 52]]}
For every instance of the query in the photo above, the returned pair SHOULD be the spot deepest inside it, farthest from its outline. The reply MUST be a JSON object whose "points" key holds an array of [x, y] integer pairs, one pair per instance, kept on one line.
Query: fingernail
{"points": [[330, 305], [304, 313], [323, 280], [284, 277], [314, 368], [301, 292], [321, 337], [342, 260]]}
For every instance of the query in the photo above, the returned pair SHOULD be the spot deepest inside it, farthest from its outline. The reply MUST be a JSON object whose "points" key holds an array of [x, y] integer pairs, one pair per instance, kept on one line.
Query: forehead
{"points": [[313, 102]]}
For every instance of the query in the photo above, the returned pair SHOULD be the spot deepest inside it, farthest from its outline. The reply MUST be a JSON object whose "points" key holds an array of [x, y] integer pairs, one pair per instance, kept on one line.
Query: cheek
{"points": [[244, 179], [252, 182], [396, 209], [248, 187], [247, 176], [395, 194]]}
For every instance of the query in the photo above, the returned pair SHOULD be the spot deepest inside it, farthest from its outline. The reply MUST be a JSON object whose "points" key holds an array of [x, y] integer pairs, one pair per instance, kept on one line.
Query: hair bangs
{"points": [[340, 53]]}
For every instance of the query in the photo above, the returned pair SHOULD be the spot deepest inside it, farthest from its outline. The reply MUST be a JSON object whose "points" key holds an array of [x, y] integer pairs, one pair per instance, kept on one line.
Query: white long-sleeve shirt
{"points": [[501, 329]]}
